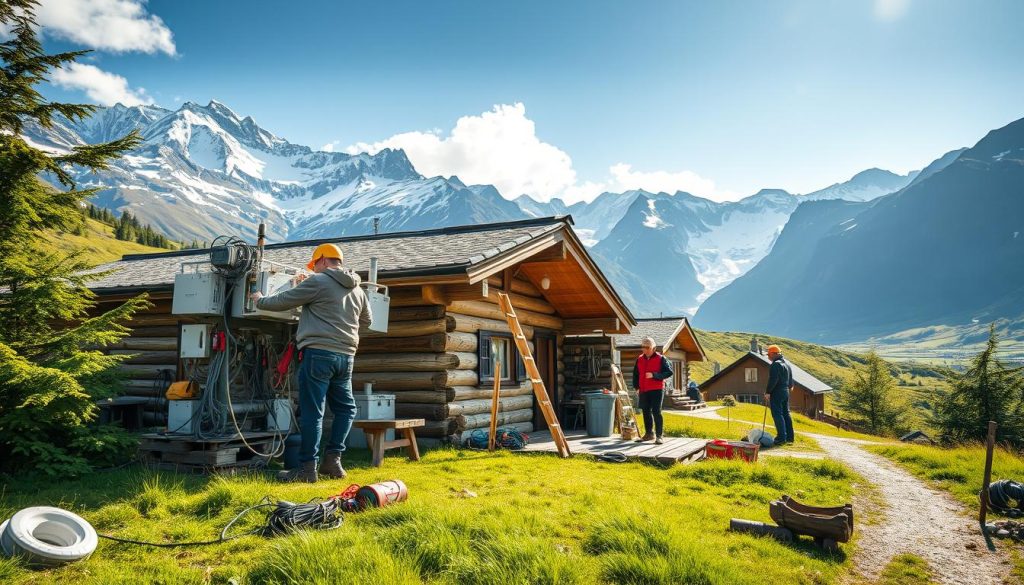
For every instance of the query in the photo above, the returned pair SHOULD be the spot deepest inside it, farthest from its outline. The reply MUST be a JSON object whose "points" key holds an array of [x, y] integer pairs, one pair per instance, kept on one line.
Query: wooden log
{"points": [[406, 296], [479, 421], [144, 387], [159, 331], [419, 410], [761, 529], [491, 311], [162, 320], [415, 362], [474, 392], [414, 328], [396, 381], [146, 343], [482, 405], [441, 429], [473, 324], [434, 343], [145, 357], [525, 287], [147, 371], [440, 396], [416, 313]]}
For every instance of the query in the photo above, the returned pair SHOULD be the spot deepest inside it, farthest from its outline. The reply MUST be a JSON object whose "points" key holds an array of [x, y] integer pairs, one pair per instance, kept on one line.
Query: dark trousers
{"points": [[650, 404], [779, 404], [324, 377]]}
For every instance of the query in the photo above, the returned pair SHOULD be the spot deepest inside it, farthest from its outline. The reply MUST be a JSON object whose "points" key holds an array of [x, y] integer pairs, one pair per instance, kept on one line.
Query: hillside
{"points": [[98, 244], [828, 364]]}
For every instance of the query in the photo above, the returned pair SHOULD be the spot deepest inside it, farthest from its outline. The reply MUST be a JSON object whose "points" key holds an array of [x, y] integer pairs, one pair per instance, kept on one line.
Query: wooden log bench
{"points": [[376, 430]]}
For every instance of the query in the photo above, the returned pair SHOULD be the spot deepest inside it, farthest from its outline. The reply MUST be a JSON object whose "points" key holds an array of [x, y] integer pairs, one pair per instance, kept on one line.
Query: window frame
{"points": [[750, 375], [485, 362]]}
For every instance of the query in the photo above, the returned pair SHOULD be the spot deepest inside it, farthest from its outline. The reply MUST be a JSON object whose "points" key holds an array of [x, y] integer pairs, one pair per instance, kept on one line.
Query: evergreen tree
{"points": [[50, 376], [987, 391], [872, 401]]}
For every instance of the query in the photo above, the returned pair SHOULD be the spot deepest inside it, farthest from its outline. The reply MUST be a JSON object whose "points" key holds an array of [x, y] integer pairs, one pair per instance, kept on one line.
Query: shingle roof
{"points": [[439, 251], [800, 376], [662, 330]]}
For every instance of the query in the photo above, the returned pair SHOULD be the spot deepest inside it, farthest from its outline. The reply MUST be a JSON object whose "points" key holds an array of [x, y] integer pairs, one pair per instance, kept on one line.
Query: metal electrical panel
{"points": [[181, 415], [380, 305], [280, 417], [195, 341], [198, 293], [269, 283]]}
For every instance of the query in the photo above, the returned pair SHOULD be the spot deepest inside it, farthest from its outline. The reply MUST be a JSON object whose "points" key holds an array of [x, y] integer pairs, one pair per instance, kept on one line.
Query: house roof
{"points": [[664, 330], [416, 253], [461, 253], [800, 376]]}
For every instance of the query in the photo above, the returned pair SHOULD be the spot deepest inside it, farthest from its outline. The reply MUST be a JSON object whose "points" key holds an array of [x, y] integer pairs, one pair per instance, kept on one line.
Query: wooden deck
{"points": [[675, 449]]}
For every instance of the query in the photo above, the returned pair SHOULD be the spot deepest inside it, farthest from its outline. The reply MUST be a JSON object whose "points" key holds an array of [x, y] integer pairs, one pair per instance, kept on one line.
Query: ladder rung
{"points": [[536, 380]]}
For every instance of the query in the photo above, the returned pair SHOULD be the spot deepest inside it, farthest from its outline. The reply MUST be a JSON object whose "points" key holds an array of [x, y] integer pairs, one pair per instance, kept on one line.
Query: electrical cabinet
{"points": [[280, 416], [181, 416], [195, 341], [380, 305], [269, 283], [198, 293]]}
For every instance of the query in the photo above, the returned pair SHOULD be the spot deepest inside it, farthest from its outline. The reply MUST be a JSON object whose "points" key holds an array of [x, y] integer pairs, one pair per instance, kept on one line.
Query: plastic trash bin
{"points": [[600, 409]]}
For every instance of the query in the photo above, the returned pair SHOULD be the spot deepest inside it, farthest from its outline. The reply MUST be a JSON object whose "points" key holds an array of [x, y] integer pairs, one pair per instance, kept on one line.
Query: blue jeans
{"points": [[324, 376], [779, 403]]}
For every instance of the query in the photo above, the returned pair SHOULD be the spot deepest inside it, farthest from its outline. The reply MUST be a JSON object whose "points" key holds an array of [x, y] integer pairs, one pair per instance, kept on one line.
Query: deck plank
{"points": [[674, 448]]}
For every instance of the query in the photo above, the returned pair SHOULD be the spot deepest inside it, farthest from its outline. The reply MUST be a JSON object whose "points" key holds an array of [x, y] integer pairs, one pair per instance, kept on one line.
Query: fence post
{"points": [[989, 448]]}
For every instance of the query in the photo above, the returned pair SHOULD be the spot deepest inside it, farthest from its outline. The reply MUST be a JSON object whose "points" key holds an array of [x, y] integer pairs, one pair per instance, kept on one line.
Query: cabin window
{"points": [[497, 348], [749, 398], [750, 375]]}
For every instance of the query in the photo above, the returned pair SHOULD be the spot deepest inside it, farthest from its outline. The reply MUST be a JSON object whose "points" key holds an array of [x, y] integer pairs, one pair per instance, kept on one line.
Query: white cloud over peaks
{"points": [[891, 10], [101, 86], [499, 147], [109, 25]]}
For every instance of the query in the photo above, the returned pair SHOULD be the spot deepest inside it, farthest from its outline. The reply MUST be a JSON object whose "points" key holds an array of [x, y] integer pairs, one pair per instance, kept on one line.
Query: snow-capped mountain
{"points": [[204, 171]]}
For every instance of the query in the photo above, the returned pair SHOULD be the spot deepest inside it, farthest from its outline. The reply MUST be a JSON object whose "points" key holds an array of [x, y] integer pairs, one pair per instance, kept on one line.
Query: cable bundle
{"points": [[508, 438], [1006, 497]]}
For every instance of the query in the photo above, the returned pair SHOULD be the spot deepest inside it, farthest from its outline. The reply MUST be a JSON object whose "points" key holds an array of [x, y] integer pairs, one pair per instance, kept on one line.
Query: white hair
{"points": [[648, 341]]}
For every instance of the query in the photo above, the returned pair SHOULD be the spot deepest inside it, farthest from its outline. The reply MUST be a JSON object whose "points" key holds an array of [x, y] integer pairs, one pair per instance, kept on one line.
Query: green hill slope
{"points": [[98, 243]]}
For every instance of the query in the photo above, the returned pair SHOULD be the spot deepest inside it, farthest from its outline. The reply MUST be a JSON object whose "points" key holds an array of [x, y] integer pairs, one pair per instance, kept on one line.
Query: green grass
{"points": [[708, 428], [537, 519], [957, 470], [801, 424], [906, 569], [98, 245]]}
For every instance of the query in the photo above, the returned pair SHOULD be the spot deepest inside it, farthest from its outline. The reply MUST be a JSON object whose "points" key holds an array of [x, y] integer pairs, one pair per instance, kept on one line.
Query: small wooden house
{"points": [[444, 319], [676, 340], [747, 377]]}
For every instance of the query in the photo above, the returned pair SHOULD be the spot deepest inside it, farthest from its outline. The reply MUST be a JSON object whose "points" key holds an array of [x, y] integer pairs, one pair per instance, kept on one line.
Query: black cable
{"points": [[612, 457]]}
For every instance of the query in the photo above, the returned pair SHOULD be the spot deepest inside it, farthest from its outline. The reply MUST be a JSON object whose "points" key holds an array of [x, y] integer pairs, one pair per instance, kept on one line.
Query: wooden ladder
{"points": [[536, 380], [625, 417]]}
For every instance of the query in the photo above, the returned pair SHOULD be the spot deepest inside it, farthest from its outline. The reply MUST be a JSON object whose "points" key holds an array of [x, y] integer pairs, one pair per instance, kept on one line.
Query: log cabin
{"points": [[445, 330], [747, 377]]}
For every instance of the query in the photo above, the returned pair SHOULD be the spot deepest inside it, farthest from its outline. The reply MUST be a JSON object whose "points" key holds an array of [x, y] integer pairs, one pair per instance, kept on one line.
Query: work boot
{"points": [[659, 441], [331, 467], [648, 437], [306, 473]]}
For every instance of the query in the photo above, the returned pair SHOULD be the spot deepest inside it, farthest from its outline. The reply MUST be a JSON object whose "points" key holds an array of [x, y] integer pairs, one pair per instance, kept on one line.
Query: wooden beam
{"points": [[585, 326], [434, 294], [514, 256]]}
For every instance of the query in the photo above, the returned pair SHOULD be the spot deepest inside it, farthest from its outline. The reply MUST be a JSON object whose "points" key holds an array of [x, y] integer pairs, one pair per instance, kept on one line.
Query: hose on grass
{"points": [[508, 438]]}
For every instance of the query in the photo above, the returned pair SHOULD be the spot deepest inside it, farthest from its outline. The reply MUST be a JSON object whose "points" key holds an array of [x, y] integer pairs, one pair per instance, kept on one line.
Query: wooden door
{"points": [[546, 354]]}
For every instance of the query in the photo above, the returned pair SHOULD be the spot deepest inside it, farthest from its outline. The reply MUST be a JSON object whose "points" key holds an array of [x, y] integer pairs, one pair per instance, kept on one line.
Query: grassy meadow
{"points": [[98, 244], [472, 517]]}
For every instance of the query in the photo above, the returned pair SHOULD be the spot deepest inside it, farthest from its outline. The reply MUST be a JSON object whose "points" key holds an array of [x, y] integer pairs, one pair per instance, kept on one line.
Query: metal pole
{"points": [[989, 448]]}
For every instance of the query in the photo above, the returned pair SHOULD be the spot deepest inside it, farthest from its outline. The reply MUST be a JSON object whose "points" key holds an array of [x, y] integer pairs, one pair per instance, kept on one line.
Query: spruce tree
{"points": [[988, 390], [872, 401], [50, 372]]}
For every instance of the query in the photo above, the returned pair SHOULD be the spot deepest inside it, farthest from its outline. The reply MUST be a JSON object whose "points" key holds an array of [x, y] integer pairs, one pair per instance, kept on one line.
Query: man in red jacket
{"points": [[649, 375]]}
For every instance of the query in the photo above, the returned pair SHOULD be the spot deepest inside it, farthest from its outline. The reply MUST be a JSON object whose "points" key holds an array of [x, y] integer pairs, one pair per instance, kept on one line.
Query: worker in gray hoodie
{"points": [[334, 307]]}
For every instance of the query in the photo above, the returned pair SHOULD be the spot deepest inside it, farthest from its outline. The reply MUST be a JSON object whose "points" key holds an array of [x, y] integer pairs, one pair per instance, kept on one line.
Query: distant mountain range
{"points": [[204, 171], [948, 249]]}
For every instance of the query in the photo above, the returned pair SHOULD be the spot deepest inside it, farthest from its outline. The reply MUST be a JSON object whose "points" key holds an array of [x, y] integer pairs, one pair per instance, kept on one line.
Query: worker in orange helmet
{"points": [[334, 307], [780, 380]]}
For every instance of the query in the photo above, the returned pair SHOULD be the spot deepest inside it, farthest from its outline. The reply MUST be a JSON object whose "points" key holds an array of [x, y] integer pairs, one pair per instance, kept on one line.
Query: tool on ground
{"points": [[827, 525], [509, 438], [539, 391]]}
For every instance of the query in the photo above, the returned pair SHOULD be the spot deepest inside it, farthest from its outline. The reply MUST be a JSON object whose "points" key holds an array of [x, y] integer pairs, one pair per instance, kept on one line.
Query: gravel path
{"points": [[914, 519], [917, 519]]}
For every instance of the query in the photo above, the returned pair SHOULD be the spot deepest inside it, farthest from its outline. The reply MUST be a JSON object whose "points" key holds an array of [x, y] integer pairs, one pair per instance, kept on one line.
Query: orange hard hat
{"points": [[325, 251], [774, 349]]}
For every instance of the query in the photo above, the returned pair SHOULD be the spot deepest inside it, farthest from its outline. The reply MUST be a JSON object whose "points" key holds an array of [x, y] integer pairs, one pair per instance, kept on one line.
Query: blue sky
{"points": [[571, 98]]}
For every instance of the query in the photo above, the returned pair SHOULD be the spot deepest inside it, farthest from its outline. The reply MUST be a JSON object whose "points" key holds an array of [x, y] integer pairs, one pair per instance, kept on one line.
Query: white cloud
{"points": [[109, 25], [891, 10], [331, 146], [101, 86], [501, 148]]}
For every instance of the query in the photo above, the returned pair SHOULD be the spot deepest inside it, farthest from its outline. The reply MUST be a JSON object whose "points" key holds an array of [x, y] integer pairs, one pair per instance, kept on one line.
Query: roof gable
{"points": [[664, 330], [800, 376]]}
